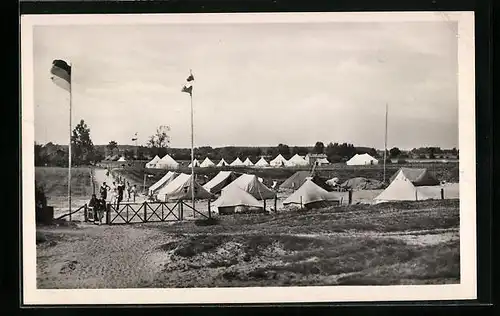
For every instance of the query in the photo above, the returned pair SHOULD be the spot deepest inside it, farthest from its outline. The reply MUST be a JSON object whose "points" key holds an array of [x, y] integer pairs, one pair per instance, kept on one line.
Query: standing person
{"points": [[121, 188], [133, 190], [114, 193], [101, 210], [93, 206], [103, 190], [129, 191]]}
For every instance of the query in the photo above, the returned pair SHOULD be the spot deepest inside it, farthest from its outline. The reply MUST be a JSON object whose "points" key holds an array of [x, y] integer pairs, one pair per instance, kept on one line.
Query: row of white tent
{"points": [[167, 162]]}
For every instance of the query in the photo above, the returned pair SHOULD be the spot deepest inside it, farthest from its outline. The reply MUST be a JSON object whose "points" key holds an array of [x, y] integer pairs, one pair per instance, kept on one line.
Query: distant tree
{"points": [[160, 140], [111, 147], [394, 152], [319, 148], [454, 151], [128, 154], [373, 152], [284, 150], [81, 144], [432, 152], [40, 159]]}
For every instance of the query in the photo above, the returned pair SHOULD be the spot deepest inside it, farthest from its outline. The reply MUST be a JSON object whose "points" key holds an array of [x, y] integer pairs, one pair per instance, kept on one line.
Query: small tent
{"points": [[248, 162], [362, 160], [207, 163], [310, 195], [237, 163], [217, 183], [167, 162], [114, 158], [222, 163], [152, 163], [418, 176], [233, 199], [251, 184], [279, 161], [401, 189], [262, 163], [180, 189], [296, 161], [166, 179], [298, 178], [195, 162], [122, 159]]}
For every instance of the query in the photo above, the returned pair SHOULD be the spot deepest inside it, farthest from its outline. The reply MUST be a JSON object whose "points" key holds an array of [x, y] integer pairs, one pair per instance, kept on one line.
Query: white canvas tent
{"points": [[166, 179], [361, 160], [152, 163], [234, 197], [261, 163], [278, 161], [195, 162], [122, 159], [251, 184], [309, 193], [401, 189], [167, 162], [237, 163], [296, 161], [207, 163], [218, 182], [180, 189], [248, 162], [222, 163]]}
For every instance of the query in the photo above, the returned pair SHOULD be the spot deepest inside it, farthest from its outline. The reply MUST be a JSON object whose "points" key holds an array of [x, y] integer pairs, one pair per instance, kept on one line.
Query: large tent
{"points": [[233, 198], [222, 163], [237, 163], [401, 189], [122, 159], [180, 189], [296, 161], [418, 176], [251, 184], [195, 162], [310, 195], [248, 162], [296, 180], [279, 161], [361, 160], [167, 162], [166, 179], [222, 179], [152, 163], [207, 163], [261, 163]]}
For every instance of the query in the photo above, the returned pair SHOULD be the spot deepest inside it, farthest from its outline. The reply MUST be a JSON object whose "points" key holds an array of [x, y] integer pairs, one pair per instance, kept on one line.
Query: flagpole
{"points": [[69, 148], [192, 152], [385, 138]]}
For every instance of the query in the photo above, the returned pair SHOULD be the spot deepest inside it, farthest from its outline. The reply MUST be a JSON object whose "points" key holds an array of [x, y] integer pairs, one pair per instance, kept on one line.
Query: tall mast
{"points": [[385, 138]]}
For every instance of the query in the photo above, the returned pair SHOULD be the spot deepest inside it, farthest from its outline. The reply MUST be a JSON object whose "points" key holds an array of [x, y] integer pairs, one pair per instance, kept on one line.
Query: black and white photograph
{"points": [[248, 158]]}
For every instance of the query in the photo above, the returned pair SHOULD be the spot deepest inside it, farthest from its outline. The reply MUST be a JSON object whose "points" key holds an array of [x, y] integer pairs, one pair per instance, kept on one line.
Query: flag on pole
{"points": [[188, 87], [61, 74], [135, 137]]}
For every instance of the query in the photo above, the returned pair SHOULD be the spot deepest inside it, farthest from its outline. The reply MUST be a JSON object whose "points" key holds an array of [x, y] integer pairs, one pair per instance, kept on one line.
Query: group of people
{"points": [[98, 205]]}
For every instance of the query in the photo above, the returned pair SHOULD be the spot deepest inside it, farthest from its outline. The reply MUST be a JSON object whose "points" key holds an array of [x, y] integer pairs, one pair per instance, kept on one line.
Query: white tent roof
{"points": [[278, 161], [153, 162], [122, 159], [363, 159], [310, 192], [196, 163], [180, 189], [166, 179], [235, 196], [248, 162], [251, 184], [167, 162], [261, 163], [218, 182], [296, 160], [207, 163], [237, 163], [222, 163], [401, 189]]}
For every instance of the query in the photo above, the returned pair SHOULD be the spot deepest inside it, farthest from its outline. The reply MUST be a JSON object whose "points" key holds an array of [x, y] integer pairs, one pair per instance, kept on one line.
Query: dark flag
{"points": [[61, 74], [188, 87]]}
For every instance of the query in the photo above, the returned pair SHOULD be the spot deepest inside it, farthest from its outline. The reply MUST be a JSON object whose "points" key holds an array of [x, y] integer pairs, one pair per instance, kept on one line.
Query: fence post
{"points": [[85, 215], [264, 205], [108, 214], [301, 202], [209, 211], [276, 203], [442, 194], [416, 195], [182, 209], [350, 197], [145, 211]]}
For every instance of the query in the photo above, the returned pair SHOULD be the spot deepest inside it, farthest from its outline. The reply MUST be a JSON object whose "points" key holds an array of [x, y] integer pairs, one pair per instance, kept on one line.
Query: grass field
{"points": [[390, 243]]}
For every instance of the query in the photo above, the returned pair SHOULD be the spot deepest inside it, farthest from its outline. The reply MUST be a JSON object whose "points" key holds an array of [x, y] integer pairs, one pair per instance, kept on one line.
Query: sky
{"points": [[255, 84]]}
